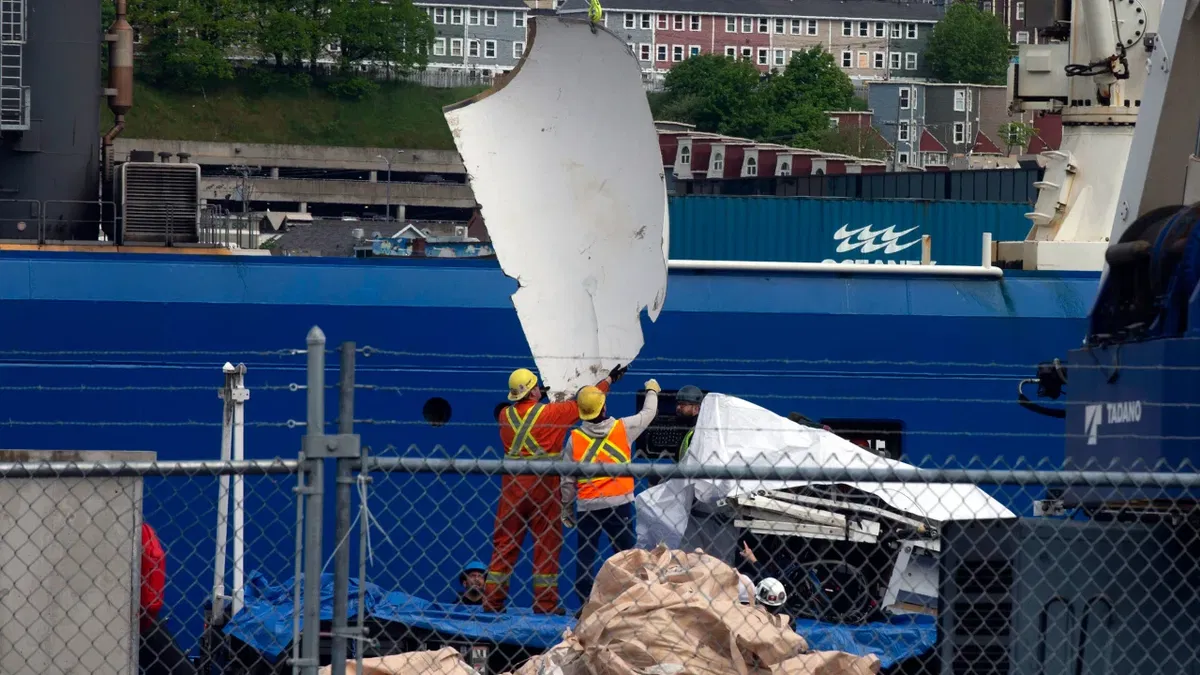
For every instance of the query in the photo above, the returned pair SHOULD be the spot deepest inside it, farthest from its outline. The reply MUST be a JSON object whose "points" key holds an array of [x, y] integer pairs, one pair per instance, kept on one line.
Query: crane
{"points": [[1134, 400]]}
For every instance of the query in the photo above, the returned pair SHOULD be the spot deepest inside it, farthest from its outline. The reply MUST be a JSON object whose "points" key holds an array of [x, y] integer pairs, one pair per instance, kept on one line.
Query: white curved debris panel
{"points": [[564, 161]]}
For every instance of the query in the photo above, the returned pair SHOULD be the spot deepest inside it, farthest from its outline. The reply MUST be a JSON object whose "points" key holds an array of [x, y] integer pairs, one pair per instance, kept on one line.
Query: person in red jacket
{"points": [[159, 654], [530, 429]]}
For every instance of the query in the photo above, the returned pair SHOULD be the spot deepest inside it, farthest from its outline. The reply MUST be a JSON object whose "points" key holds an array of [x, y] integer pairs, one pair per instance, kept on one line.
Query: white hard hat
{"points": [[745, 589], [771, 592]]}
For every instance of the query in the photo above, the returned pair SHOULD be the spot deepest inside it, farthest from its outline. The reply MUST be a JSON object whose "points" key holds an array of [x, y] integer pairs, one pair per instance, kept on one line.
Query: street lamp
{"points": [[388, 194]]}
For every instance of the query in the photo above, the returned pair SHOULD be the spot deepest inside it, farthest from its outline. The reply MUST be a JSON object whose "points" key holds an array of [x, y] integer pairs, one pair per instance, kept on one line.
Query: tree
{"points": [[855, 141], [396, 34], [1016, 135], [811, 85], [969, 45], [715, 93], [186, 44]]}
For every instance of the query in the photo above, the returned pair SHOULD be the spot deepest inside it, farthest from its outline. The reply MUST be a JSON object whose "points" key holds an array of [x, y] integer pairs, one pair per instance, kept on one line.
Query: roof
{"points": [[898, 81], [929, 143], [985, 146], [482, 4], [810, 9]]}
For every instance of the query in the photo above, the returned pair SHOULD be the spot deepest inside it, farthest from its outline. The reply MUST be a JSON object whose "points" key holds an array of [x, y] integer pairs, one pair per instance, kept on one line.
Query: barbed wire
{"points": [[368, 351], [126, 423], [153, 352]]}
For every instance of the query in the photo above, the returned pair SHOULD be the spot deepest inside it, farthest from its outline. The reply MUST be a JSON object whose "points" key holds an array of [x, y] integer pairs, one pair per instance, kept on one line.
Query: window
{"points": [[731, 52], [663, 22], [518, 19], [902, 132], [764, 26], [519, 49], [439, 15], [795, 26], [645, 22], [911, 31], [1020, 11], [677, 22], [751, 166], [960, 133], [439, 47], [1022, 37], [489, 17], [644, 52], [731, 24], [694, 50], [833, 122], [685, 155], [763, 52], [880, 29], [779, 57], [747, 53], [864, 60], [677, 53], [897, 31], [878, 60], [792, 54], [960, 100], [812, 26], [472, 17], [779, 26], [456, 47], [895, 60], [847, 59], [489, 49], [718, 161], [747, 24], [662, 52], [695, 23], [910, 61], [903, 159], [630, 20], [785, 168], [905, 98], [473, 48], [847, 28], [456, 17]]}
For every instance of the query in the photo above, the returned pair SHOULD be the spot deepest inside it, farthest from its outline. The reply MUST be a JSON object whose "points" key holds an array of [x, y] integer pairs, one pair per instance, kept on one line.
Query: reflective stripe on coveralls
{"points": [[523, 445], [613, 448], [685, 444]]}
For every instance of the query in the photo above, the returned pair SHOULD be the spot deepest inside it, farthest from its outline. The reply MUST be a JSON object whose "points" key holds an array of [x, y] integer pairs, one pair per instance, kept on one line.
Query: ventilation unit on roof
{"points": [[159, 203]]}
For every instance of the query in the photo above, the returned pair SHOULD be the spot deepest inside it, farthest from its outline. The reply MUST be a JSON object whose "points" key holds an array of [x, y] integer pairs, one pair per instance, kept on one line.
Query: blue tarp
{"points": [[265, 623]]}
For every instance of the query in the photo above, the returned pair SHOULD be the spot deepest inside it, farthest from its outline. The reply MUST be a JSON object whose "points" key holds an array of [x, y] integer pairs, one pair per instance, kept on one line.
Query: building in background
{"points": [[488, 36], [870, 39], [1012, 13], [929, 123]]}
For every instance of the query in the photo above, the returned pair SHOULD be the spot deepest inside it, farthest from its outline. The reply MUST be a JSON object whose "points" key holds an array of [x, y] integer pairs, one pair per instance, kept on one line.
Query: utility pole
{"points": [[387, 200]]}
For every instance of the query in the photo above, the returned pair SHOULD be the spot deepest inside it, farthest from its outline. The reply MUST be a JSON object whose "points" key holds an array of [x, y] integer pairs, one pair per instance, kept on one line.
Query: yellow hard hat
{"points": [[590, 401], [520, 382]]}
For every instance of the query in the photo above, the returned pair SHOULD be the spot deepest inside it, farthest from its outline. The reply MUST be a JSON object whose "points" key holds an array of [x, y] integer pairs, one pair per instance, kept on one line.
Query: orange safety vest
{"points": [[611, 449], [523, 445]]}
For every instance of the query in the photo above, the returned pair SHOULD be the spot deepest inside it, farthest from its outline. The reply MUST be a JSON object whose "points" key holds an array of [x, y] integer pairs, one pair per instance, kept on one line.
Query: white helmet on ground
{"points": [[771, 593]]}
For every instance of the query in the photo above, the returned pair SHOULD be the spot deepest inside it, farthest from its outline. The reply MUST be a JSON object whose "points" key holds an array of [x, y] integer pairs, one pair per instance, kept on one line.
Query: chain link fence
{"points": [[663, 536]]}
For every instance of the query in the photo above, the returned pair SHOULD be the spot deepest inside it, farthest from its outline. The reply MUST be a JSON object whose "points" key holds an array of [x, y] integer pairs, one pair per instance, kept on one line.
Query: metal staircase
{"points": [[14, 95]]}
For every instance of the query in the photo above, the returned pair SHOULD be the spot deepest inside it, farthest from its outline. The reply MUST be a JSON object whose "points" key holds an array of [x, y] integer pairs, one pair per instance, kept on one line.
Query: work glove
{"points": [[568, 519], [652, 385], [617, 373]]}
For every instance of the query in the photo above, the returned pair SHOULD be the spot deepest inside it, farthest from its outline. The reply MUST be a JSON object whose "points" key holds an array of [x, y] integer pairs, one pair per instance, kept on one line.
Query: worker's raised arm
{"points": [[637, 424], [566, 413]]}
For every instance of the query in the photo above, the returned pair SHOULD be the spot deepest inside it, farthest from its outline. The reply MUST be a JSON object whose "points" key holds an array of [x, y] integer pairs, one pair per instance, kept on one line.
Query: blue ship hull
{"points": [[941, 355]]}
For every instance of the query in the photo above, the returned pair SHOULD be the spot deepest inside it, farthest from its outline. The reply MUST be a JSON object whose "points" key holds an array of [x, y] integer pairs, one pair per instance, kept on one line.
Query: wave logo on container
{"points": [[869, 240]]}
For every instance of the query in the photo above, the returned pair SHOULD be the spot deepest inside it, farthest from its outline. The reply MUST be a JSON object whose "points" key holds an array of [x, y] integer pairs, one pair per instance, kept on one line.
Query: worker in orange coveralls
{"points": [[531, 429]]}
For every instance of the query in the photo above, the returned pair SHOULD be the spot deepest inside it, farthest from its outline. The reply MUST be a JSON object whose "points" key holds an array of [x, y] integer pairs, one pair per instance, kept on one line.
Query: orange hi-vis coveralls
{"points": [[530, 430]]}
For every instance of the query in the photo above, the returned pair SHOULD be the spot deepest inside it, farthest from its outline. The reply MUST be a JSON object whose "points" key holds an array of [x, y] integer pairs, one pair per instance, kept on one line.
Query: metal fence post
{"points": [[345, 480], [313, 436]]}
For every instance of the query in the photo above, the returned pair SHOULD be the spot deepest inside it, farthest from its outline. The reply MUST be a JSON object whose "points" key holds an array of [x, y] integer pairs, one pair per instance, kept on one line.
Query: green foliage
{"points": [[1016, 135], [186, 46], [856, 141], [726, 96], [969, 45], [353, 88], [398, 115]]}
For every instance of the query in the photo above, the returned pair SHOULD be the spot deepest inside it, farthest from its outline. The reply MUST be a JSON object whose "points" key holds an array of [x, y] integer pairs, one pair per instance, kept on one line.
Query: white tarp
{"points": [[564, 161], [731, 431]]}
